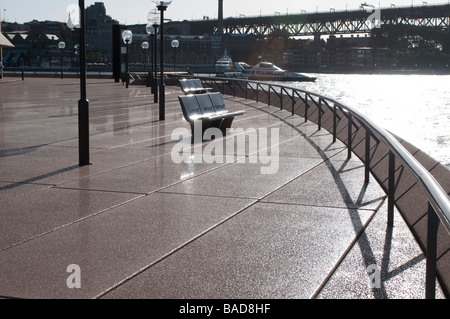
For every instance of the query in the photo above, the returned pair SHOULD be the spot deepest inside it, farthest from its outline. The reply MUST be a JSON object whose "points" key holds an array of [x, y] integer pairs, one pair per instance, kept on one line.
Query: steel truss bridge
{"points": [[328, 23]]}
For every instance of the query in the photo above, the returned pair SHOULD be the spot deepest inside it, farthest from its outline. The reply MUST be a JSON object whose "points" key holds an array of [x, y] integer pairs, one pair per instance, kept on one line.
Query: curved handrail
{"points": [[438, 200]]}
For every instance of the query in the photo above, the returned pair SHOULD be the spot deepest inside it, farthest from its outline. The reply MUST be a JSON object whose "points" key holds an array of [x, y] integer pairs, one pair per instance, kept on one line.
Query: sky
{"points": [[136, 11]]}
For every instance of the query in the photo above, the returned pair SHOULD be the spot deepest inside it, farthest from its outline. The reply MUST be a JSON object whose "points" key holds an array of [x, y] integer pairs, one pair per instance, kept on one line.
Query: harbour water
{"points": [[414, 107]]}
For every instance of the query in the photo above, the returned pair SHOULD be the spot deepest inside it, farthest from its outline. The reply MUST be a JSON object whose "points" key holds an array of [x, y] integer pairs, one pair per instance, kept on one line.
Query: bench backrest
{"points": [[191, 84], [205, 103], [217, 101], [187, 85], [197, 83], [184, 84], [190, 106]]}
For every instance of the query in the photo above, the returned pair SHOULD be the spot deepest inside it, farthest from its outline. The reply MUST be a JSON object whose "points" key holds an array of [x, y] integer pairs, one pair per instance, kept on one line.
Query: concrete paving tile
{"points": [[334, 183], [267, 251], [10, 190], [37, 134], [30, 215], [311, 147], [105, 160], [110, 247], [108, 137], [144, 177], [246, 179], [35, 165], [393, 253]]}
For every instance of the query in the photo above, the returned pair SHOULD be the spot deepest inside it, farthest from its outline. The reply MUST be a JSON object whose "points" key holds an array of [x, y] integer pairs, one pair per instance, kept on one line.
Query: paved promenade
{"points": [[136, 224]]}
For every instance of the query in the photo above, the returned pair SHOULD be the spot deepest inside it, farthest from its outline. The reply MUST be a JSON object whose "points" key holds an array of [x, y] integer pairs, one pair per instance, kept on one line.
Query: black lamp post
{"points": [[162, 6], [77, 19], [127, 37], [62, 46]]}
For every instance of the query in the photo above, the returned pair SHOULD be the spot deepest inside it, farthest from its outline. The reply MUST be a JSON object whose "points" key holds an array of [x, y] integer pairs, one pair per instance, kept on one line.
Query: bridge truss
{"points": [[346, 22]]}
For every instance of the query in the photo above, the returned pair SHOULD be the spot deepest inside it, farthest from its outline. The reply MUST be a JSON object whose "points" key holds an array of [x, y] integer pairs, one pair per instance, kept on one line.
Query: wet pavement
{"points": [[137, 223]]}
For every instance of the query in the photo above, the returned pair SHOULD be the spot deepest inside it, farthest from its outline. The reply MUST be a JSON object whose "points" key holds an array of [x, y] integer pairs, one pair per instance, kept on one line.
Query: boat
{"points": [[224, 64], [267, 71]]}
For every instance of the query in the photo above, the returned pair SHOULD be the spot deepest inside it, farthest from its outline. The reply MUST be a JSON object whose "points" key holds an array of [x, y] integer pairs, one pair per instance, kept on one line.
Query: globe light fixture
{"points": [[164, 3], [127, 37], [149, 29]]}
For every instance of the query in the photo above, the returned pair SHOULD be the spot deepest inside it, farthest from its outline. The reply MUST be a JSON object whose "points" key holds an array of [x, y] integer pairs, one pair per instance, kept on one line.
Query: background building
{"points": [[36, 42]]}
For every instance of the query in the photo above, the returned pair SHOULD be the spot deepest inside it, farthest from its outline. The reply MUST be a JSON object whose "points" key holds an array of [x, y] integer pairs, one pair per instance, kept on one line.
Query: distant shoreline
{"points": [[378, 72]]}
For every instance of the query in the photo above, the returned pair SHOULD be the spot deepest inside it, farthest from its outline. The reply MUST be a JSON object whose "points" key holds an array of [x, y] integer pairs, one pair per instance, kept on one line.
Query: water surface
{"points": [[414, 107]]}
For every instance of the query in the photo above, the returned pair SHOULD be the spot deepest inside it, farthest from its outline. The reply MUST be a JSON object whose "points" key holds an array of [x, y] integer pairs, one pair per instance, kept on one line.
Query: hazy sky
{"points": [[135, 11]]}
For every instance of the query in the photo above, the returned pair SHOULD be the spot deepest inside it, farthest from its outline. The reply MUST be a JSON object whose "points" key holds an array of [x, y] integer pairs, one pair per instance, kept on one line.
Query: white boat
{"points": [[223, 65], [267, 71]]}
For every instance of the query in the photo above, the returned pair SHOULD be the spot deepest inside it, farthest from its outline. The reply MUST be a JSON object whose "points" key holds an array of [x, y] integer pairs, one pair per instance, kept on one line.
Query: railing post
{"points": [[293, 101], [391, 189], [246, 90], [257, 92], [367, 157], [430, 281], [234, 88], [281, 99], [306, 107], [268, 102], [349, 149], [334, 123], [320, 114]]}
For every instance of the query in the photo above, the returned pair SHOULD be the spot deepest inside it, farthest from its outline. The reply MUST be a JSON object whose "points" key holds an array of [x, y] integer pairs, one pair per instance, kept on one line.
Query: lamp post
{"points": [[62, 46], [127, 37], [83, 104], [175, 44], [77, 19], [162, 6]]}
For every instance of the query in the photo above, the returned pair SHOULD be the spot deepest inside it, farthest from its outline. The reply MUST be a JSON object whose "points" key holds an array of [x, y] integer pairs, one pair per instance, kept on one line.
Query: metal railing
{"points": [[344, 125]]}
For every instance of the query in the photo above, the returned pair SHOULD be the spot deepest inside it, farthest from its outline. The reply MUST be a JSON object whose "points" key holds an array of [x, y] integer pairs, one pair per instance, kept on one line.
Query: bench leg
{"points": [[201, 130], [226, 124]]}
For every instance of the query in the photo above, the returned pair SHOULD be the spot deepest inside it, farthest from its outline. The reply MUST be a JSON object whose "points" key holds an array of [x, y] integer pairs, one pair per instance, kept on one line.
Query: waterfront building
{"points": [[99, 31]]}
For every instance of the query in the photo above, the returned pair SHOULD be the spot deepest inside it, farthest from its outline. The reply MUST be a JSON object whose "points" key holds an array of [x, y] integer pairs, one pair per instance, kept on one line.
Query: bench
{"points": [[193, 86], [209, 109]]}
